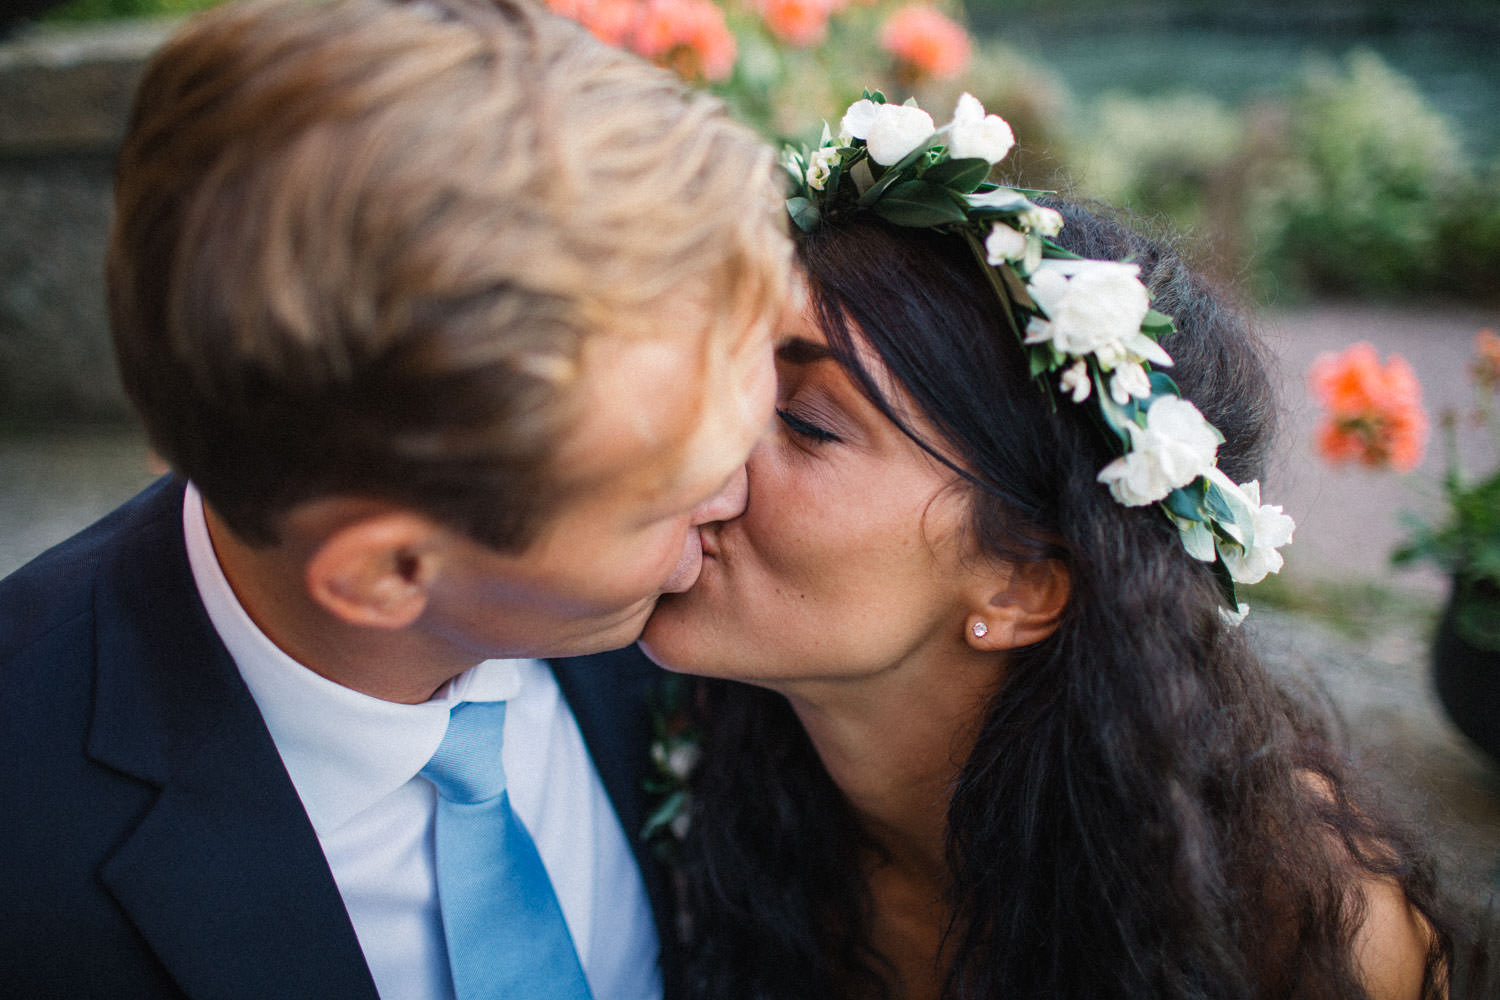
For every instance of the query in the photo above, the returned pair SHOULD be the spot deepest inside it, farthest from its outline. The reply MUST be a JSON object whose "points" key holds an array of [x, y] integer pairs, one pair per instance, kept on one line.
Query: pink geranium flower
{"points": [[926, 43], [610, 21], [803, 23], [688, 36], [1486, 367], [1372, 412]]}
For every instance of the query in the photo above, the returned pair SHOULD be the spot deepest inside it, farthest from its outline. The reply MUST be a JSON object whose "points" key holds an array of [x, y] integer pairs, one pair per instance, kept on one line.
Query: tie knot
{"points": [[466, 767]]}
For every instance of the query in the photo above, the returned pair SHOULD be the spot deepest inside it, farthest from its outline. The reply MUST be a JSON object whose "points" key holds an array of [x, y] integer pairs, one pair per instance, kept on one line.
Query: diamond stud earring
{"points": [[981, 630]]}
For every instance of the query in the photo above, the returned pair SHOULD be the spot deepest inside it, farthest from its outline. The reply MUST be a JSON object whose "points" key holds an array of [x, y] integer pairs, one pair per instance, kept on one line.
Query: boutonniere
{"points": [[676, 746]]}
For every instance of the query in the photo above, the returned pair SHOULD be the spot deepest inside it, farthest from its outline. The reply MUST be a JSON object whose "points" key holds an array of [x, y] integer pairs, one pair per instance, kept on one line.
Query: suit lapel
{"points": [[223, 875]]}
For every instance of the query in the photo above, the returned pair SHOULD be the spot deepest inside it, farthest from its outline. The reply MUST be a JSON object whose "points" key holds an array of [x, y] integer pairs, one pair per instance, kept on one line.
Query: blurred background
{"points": [[1335, 166]]}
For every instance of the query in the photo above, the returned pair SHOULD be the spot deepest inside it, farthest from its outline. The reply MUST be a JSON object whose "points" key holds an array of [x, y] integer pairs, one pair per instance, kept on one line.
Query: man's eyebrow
{"points": [[798, 351]]}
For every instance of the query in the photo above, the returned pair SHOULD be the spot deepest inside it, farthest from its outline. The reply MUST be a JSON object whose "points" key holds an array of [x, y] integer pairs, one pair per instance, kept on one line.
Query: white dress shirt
{"points": [[354, 761]]}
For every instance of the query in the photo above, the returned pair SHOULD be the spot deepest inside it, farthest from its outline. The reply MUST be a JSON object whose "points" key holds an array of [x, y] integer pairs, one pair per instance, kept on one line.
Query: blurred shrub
{"points": [[1355, 201], [1469, 239], [786, 65], [1353, 185], [1026, 93], [1175, 156], [97, 10]]}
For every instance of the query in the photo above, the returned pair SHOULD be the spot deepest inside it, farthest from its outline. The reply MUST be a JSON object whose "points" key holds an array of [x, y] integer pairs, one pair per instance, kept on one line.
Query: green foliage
{"points": [[1357, 200], [1468, 542], [99, 10], [1469, 238], [1465, 542], [1288, 9], [785, 90], [1356, 610], [1353, 185], [1163, 156], [1028, 95]]}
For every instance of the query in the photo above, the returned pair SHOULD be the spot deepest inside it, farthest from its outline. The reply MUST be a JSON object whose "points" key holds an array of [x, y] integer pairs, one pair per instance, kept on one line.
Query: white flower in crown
{"points": [[1128, 382], [1075, 381], [820, 165], [1093, 307], [1269, 530], [1004, 244], [1040, 220], [890, 131], [857, 121], [976, 135], [1175, 447]]}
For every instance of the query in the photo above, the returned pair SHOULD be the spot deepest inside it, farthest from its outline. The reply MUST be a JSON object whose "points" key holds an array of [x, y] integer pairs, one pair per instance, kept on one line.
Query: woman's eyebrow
{"points": [[799, 351]]}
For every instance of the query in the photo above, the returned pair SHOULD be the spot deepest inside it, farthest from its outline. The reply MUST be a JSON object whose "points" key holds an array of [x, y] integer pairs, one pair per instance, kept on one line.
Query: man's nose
{"points": [[726, 504]]}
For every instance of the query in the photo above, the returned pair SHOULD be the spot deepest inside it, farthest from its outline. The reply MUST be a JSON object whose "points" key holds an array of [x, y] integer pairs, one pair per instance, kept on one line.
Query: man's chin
{"points": [[615, 632]]}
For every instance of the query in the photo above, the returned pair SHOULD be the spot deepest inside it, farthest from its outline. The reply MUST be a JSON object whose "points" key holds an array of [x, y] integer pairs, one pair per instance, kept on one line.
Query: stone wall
{"points": [[66, 94]]}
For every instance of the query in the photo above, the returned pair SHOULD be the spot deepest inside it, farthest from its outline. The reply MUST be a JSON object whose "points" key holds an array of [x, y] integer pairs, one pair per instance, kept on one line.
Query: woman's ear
{"points": [[1023, 607], [375, 570]]}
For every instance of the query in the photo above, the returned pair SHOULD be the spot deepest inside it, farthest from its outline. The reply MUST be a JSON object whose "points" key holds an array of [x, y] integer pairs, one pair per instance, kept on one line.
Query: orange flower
{"points": [[803, 23], [610, 21], [690, 36], [613, 21], [1372, 412], [925, 43], [1486, 366]]}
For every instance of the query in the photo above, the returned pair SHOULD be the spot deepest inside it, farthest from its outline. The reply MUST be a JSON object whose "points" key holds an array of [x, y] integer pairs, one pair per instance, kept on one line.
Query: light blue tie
{"points": [[507, 939]]}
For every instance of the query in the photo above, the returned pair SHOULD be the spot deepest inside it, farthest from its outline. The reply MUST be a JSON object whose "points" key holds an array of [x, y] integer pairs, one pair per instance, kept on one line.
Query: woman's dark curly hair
{"points": [[1146, 813]]}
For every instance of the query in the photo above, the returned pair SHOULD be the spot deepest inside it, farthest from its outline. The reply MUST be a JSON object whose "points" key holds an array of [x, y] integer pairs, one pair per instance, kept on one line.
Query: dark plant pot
{"points": [[1466, 671]]}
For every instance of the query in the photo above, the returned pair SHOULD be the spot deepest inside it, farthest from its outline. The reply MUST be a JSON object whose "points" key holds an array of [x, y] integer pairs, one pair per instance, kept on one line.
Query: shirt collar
{"points": [[343, 750]]}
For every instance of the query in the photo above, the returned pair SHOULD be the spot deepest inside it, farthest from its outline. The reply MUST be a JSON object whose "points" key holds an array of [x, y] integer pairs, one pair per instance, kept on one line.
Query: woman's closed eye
{"points": [[804, 428]]}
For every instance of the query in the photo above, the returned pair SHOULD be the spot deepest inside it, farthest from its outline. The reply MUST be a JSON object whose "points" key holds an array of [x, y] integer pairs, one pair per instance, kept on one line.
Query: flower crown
{"points": [[1087, 326]]}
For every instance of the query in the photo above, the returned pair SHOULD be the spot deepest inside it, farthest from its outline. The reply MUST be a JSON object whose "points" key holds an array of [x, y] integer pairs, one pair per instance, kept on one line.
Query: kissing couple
{"points": [[476, 348]]}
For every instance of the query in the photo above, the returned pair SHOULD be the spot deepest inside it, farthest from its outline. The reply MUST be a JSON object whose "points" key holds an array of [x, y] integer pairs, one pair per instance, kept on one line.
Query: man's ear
{"points": [[1022, 606], [375, 570]]}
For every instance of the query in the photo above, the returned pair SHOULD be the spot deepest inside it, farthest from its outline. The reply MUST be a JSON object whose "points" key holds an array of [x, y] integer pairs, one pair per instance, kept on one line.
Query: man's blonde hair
{"points": [[359, 245]]}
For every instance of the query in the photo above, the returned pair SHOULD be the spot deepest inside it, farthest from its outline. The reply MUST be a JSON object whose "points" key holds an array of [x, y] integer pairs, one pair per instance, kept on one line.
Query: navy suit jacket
{"points": [[151, 843]]}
